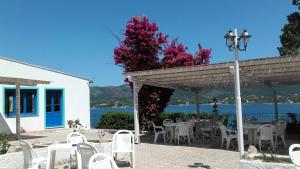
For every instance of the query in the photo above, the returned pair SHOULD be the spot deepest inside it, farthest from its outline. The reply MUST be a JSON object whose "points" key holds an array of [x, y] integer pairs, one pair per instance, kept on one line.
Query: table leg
{"points": [[250, 137], [171, 134], [51, 159]]}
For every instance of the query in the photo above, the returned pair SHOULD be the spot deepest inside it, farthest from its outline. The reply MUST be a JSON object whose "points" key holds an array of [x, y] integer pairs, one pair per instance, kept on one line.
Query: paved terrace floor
{"points": [[201, 154]]}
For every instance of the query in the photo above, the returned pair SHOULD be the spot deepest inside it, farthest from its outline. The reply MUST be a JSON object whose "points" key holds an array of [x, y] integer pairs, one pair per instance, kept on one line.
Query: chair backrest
{"points": [[154, 126], [183, 128], [102, 161], [280, 127], [86, 151], [200, 123], [76, 138], [223, 131], [28, 153], [207, 124], [266, 131], [178, 120], [123, 141], [166, 121], [295, 155]]}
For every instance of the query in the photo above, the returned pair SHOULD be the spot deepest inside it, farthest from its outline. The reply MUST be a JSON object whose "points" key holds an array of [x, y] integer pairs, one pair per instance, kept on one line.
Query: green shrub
{"points": [[116, 120], [124, 120], [3, 143]]}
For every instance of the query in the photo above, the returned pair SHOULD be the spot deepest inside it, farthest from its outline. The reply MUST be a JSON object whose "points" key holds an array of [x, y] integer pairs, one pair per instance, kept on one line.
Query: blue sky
{"points": [[72, 35]]}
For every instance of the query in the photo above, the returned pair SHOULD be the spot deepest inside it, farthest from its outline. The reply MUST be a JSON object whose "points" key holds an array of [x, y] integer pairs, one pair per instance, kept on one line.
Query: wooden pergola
{"points": [[271, 72], [18, 82]]}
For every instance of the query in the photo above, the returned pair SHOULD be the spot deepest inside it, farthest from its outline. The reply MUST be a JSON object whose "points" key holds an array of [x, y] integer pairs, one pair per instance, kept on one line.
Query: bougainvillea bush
{"points": [[141, 49], [141, 46]]}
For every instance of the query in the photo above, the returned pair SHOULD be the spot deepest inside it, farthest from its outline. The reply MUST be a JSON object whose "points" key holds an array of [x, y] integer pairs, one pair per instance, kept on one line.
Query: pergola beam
{"points": [[18, 82]]}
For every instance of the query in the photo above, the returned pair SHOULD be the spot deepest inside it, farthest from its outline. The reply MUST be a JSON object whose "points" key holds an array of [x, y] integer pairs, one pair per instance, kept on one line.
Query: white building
{"points": [[66, 97]]}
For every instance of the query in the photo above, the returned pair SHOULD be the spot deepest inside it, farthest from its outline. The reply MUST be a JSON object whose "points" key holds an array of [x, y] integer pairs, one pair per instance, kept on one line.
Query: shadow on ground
{"points": [[216, 143], [201, 165]]}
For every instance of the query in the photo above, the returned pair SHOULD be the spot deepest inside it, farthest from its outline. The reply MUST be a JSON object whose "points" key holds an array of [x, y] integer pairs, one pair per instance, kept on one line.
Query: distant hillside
{"points": [[122, 95], [107, 96]]}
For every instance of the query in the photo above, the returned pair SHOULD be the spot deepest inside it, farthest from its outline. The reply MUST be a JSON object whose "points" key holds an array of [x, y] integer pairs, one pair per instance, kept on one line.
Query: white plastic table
{"points": [[52, 152], [252, 132], [105, 148], [170, 127]]}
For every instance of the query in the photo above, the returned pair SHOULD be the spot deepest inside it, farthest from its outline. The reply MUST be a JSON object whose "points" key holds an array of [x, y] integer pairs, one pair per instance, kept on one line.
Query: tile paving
{"points": [[201, 155]]}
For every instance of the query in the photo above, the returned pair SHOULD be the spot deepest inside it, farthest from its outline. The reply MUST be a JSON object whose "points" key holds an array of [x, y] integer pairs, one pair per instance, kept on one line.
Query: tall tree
{"points": [[290, 37]]}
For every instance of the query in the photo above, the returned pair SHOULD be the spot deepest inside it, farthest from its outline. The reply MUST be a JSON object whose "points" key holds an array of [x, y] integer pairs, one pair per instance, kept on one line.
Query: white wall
{"points": [[76, 95]]}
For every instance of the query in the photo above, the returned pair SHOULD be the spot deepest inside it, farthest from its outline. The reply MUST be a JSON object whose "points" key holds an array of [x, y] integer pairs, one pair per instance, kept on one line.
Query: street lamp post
{"points": [[236, 43]]}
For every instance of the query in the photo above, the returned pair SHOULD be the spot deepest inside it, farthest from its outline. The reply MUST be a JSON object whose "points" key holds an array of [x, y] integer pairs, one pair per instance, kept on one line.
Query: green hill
{"points": [[122, 95]]}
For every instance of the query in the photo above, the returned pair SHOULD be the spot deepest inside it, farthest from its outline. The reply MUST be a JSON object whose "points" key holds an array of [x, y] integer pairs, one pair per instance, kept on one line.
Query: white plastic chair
{"points": [[167, 121], [265, 132], [158, 130], [207, 129], [191, 128], [280, 128], [102, 161], [183, 130], [227, 135], [178, 120], [123, 142], [31, 158], [295, 155], [198, 127], [85, 152], [168, 130], [75, 138]]}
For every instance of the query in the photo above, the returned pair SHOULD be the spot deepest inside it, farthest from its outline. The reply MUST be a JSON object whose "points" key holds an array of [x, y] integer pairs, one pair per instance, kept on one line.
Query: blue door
{"points": [[54, 108]]}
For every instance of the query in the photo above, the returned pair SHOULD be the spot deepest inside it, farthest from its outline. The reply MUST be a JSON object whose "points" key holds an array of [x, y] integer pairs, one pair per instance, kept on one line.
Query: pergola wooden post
{"points": [[197, 102], [275, 99], [18, 82], [18, 114], [276, 115], [136, 88]]}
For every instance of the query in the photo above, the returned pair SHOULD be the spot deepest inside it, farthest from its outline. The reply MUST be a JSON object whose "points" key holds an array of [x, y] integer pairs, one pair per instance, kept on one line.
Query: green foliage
{"points": [[124, 120], [116, 120], [297, 3], [273, 158], [290, 38], [3, 143], [185, 116]]}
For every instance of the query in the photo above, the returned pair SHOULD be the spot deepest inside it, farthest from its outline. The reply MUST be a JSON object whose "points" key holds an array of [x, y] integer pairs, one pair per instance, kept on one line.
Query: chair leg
{"points": [[276, 139], [116, 156], [227, 143], [71, 159], [283, 140], [273, 146], [222, 141], [164, 137], [132, 156], [155, 138], [259, 145], [178, 140]]}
